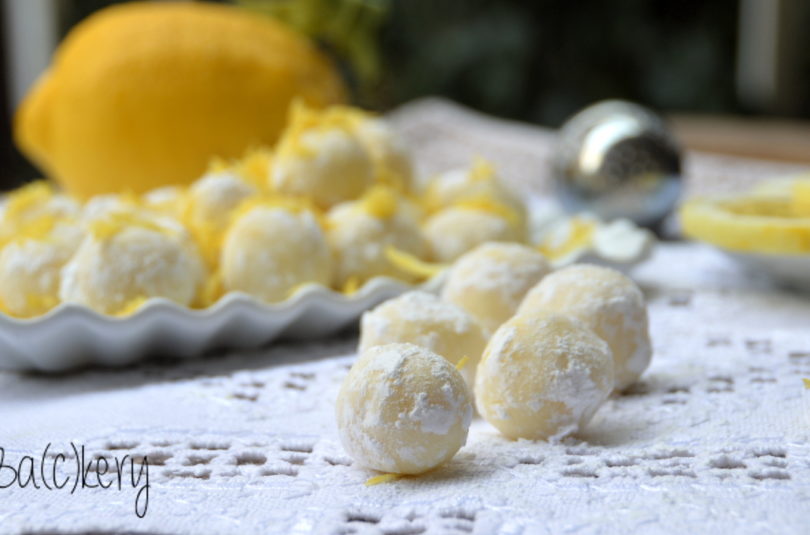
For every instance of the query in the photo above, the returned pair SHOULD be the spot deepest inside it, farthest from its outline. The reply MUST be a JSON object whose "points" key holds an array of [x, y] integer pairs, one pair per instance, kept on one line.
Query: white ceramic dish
{"points": [[71, 336]]}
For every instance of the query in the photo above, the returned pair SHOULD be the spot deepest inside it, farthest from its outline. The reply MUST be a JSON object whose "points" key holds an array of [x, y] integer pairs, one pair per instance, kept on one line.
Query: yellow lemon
{"points": [[142, 95], [765, 224]]}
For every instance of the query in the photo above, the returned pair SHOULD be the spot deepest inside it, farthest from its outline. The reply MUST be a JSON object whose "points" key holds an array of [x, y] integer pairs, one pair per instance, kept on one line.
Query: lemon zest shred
{"points": [[27, 197], [462, 363], [481, 169], [580, 235], [489, 205], [111, 224], [806, 382], [380, 202], [382, 478], [212, 290], [131, 306], [411, 264], [351, 285]]}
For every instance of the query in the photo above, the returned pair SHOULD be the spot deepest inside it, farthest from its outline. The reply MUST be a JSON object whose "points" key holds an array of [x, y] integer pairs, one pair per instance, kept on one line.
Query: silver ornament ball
{"points": [[618, 159]]}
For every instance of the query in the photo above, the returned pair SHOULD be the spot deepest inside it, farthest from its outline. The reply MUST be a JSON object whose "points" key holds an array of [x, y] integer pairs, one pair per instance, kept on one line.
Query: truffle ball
{"points": [[543, 376], [403, 409], [421, 318], [130, 256], [453, 231], [270, 250], [360, 231], [606, 301], [490, 281]]}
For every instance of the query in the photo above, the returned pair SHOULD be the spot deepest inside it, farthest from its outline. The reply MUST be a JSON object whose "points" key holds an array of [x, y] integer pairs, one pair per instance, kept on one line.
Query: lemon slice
{"points": [[763, 224]]}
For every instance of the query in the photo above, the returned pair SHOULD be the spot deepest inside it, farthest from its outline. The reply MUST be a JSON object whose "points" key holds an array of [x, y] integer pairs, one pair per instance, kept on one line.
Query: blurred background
{"points": [[733, 76]]}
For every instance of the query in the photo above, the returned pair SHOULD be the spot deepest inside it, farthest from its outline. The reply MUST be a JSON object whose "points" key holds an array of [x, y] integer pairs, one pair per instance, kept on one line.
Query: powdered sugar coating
{"points": [[453, 231], [403, 409], [606, 301], [269, 250], [326, 165], [30, 269], [422, 319], [358, 240], [213, 198], [490, 281], [543, 376], [109, 273]]}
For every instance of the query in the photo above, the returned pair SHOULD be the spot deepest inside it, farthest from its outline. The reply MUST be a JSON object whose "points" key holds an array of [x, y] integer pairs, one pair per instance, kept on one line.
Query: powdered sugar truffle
{"points": [[421, 318], [453, 231], [269, 250], [543, 376], [403, 409], [609, 303], [128, 256], [490, 281], [360, 231]]}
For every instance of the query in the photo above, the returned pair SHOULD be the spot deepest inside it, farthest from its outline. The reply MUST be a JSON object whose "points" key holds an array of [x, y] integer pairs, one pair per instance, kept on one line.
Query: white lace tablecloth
{"points": [[715, 438]]}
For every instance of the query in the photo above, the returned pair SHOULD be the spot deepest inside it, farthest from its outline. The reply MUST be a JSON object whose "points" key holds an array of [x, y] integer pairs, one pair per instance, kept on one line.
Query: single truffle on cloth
{"points": [[272, 248], [490, 281], [31, 263], [360, 231], [609, 303], [131, 255], [320, 158], [403, 409], [453, 231], [421, 318], [543, 376]]}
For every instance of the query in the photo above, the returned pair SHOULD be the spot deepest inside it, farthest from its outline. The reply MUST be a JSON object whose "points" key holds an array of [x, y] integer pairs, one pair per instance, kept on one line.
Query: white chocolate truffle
{"points": [[479, 181], [392, 163], [458, 229], [543, 376], [360, 231], [129, 256], [213, 198], [403, 409], [30, 269], [269, 250], [609, 303], [32, 203], [490, 281], [421, 318], [168, 200], [320, 157], [209, 207]]}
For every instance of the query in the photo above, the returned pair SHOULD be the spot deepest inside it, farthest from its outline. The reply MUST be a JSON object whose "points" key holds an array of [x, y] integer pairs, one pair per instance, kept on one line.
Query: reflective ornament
{"points": [[618, 159]]}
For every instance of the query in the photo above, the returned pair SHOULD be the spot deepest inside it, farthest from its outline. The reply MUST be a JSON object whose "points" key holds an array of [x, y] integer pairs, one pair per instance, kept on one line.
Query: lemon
{"points": [[142, 95], [764, 224]]}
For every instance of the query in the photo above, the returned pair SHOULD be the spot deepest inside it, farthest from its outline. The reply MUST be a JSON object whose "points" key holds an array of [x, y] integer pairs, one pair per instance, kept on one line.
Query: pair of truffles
{"points": [[562, 342]]}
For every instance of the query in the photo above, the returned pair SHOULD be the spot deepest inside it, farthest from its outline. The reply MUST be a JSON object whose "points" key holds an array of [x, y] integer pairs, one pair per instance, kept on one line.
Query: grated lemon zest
{"points": [[580, 235], [26, 198], [462, 363], [132, 306], [380, 202], [482, 169], [212, 290], [111, 224], [806, 382], [382, 478], [411, 264], [351, 285], [489, 205]]}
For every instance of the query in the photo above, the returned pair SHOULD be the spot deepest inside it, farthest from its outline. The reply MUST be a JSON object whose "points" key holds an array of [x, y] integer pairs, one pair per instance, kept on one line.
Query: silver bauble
{"points": [[618, 159]]}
